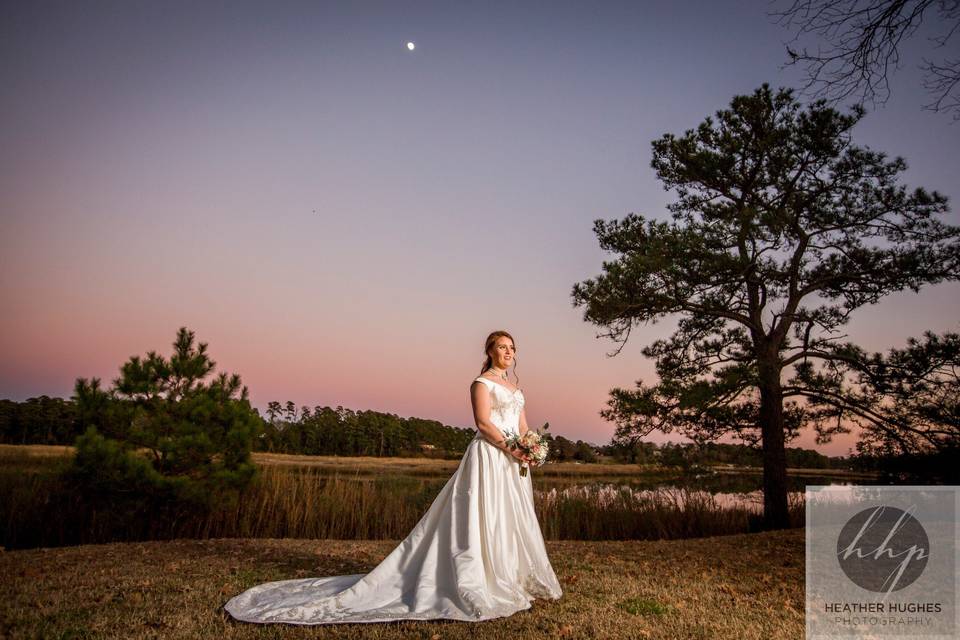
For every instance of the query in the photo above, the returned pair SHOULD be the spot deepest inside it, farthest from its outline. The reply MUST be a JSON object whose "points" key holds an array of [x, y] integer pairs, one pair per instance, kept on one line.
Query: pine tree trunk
{"points": [[775, 513]]}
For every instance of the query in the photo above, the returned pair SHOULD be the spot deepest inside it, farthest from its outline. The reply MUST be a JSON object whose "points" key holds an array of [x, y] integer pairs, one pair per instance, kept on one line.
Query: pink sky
{"points": [[344, 221]]}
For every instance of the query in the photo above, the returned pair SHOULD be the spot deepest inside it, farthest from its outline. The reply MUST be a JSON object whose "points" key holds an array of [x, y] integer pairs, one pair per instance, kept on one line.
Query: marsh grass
{"points": [[37, 508], [609, 512]]}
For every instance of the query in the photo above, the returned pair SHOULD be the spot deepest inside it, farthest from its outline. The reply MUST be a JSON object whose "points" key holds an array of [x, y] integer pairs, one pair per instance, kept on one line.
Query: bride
{"points": [[476, 554]]}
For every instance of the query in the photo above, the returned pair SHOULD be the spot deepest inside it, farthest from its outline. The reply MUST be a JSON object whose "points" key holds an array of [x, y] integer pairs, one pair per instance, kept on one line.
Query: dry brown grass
{"points": [[362, 465], [371, 465], [747, 586], [36, 450]]}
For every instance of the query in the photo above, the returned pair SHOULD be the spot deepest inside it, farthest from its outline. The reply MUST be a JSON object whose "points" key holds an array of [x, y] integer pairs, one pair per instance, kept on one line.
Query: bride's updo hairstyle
{"points": [[490, 343]]}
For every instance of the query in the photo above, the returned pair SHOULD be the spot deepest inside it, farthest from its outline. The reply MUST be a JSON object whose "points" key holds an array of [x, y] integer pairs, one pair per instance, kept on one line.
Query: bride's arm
{"points": [[480, 398], [523, 421]]}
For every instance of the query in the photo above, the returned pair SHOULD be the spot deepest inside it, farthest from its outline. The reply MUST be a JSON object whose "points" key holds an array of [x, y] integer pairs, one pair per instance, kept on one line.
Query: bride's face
{"points": [[503, 352]]}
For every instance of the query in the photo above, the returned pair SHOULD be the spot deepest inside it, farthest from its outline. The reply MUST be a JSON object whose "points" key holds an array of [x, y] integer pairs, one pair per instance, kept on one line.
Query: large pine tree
{"points": [[781, 229]]}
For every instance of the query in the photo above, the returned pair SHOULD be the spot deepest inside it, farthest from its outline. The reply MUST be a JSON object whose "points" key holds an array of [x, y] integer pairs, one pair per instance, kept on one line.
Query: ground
{"points": [[740, 586]]}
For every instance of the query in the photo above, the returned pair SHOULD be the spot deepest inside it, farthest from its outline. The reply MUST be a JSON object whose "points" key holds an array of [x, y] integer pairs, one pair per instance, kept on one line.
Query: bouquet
{"points": [[531, 445]]}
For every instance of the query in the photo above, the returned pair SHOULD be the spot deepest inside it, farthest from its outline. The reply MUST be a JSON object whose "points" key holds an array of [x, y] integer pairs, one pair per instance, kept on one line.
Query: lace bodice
{"points": [[505, 406]]}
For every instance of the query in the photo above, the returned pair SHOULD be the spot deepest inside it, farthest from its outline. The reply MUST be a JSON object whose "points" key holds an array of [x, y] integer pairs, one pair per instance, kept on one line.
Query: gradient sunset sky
{"points": [[342, 220]]}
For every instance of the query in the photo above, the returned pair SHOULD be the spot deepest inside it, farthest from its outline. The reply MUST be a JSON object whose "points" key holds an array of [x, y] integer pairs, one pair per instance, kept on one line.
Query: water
{"points": [[604, 495], [729, 489], [716, 482]]}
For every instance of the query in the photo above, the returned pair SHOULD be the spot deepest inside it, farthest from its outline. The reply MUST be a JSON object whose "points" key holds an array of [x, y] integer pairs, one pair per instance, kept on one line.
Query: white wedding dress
{"points": [[476, 554]]}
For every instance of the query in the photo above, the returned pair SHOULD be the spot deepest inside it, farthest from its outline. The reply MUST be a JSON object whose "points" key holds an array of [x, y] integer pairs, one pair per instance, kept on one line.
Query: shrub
{"points": [[162, 436]]}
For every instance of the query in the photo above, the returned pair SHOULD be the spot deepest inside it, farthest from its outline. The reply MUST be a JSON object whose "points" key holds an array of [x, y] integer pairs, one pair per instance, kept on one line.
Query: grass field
{"points": [[37, 454], [742, 586]]}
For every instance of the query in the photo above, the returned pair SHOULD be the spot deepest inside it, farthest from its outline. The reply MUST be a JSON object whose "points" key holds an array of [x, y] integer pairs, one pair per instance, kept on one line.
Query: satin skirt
{"points": [[476, 554]]}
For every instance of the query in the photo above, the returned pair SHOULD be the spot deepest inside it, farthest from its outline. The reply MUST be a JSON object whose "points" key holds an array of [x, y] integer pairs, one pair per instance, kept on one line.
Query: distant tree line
{"points": [[564, 450], [317, 431], [688, 454], [42, 420], [323, 430], [344, 432], [285, 429]]}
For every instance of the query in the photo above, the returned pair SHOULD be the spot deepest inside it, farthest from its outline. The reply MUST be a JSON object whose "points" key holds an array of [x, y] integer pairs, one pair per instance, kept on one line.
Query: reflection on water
{"points": [[739, 483], [607, 495], [723, 490], [709, 482]]}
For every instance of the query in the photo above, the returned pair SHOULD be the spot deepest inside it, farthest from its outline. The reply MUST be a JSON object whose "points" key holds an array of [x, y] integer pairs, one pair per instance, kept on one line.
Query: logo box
{"points": [[881, 561]]}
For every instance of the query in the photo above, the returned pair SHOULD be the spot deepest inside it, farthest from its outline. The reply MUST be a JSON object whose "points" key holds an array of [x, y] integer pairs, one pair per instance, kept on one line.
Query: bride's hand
{"points": [[519, 455]]}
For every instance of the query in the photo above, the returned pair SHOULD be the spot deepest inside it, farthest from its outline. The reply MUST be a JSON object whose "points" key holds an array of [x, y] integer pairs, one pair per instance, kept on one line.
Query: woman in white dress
{"points": [[476, 554]]}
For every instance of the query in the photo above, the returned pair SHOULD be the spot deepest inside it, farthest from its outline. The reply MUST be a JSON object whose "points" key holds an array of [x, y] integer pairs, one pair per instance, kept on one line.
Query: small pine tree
{"points": [[161, 432]]}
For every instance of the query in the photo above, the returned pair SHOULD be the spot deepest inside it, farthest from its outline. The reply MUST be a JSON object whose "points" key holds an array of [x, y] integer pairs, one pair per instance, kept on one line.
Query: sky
{"points": [[342, 220]]}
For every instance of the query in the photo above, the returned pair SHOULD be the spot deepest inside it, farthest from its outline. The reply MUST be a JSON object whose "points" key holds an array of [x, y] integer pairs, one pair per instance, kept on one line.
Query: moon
{"points": [[411, 46]]}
